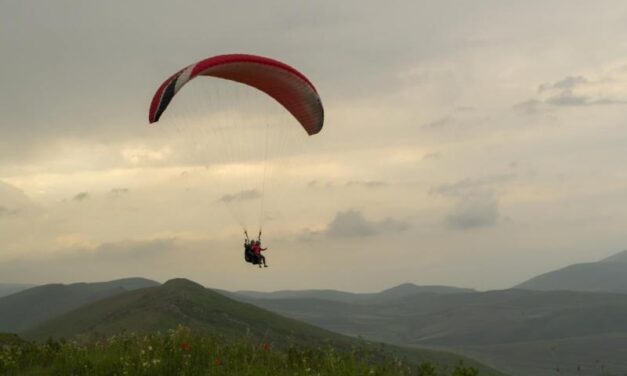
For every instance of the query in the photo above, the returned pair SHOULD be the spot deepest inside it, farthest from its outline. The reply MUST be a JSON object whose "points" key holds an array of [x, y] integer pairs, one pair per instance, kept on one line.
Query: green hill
{"points": [[177, 302], [7, 289], [607, 275], [182, 302], [23, 310]]}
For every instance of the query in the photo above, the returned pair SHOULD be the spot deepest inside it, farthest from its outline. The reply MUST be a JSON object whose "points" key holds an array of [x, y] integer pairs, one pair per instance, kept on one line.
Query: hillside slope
{"points": [[177, 302], [492, 317], [607, 275], [27, 308], [7, 289], [514, 330]]}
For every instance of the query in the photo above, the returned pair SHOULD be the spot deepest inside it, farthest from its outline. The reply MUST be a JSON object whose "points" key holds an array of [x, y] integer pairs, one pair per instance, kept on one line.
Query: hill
{"points": [[177, 302], [481, 325], [466, 319], [182, 302], [30, 307], [620, 257], [11, 288], [398, 292], [607, 275]]}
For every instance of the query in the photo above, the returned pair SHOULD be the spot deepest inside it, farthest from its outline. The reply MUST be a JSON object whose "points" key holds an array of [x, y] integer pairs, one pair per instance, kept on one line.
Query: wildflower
{"points": [[217, 362], [185, 346], [265, 346]]}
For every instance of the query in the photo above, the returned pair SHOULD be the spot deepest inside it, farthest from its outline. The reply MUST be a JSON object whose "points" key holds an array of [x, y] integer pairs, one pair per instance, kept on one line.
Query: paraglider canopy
{"points": [[222, 123], [285, 84]]}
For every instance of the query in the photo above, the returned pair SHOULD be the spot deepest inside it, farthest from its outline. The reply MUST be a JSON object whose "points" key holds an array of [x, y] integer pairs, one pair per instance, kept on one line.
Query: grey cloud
{"points": [[249, 194], [313, 184], [567, 83], [367, 183], [530, 106], [81, 196], [352, 223], [439, 123], [474, 211], [433, 155], [475, 203], [119, 191], [467, 185], [563, 93], [392, 225], [567, 98], [608, 101]]}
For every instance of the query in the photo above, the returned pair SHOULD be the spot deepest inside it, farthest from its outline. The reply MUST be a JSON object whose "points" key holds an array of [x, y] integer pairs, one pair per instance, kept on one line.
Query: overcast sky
{"points": [[475, 144]]}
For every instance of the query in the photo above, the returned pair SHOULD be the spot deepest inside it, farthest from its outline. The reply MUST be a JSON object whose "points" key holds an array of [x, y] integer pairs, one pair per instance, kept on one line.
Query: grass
{"points": [[182, 352]]}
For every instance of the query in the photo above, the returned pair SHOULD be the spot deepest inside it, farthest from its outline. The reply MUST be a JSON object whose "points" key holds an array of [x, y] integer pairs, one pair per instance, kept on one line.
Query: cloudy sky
{"points": [[465, 143]]}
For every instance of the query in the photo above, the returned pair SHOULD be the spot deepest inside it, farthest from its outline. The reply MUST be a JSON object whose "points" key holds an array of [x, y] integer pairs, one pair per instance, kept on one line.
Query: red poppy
{"points": [[217, 362], [265, 346], [186, 346]]}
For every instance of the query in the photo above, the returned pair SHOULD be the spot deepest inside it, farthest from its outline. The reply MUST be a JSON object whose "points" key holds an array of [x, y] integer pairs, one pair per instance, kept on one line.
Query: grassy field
{"points": [[181, 352]]}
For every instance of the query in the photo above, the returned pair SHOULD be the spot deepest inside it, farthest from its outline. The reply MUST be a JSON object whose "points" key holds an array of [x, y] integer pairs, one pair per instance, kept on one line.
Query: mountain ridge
{"points": [[29, 307], [606, 275], [396, 292]]}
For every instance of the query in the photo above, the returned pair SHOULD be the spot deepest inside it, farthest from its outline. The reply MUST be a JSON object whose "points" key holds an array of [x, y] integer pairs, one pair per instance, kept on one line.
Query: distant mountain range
{"points": [[406, 289], [608, 275], [492, 317], [11, 288], [29, 307], [573, 317]]}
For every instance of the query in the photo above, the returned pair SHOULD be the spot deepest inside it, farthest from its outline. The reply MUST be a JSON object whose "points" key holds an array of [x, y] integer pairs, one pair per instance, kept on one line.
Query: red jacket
{"points": [[256, 248]]}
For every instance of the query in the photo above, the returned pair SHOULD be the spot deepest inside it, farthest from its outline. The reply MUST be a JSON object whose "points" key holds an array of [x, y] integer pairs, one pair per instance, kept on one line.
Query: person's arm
{"points": [[263, 249]]}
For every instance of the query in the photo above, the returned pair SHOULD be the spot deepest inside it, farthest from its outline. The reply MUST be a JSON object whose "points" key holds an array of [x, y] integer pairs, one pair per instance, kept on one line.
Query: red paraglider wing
{"points": [[285, 84]]}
